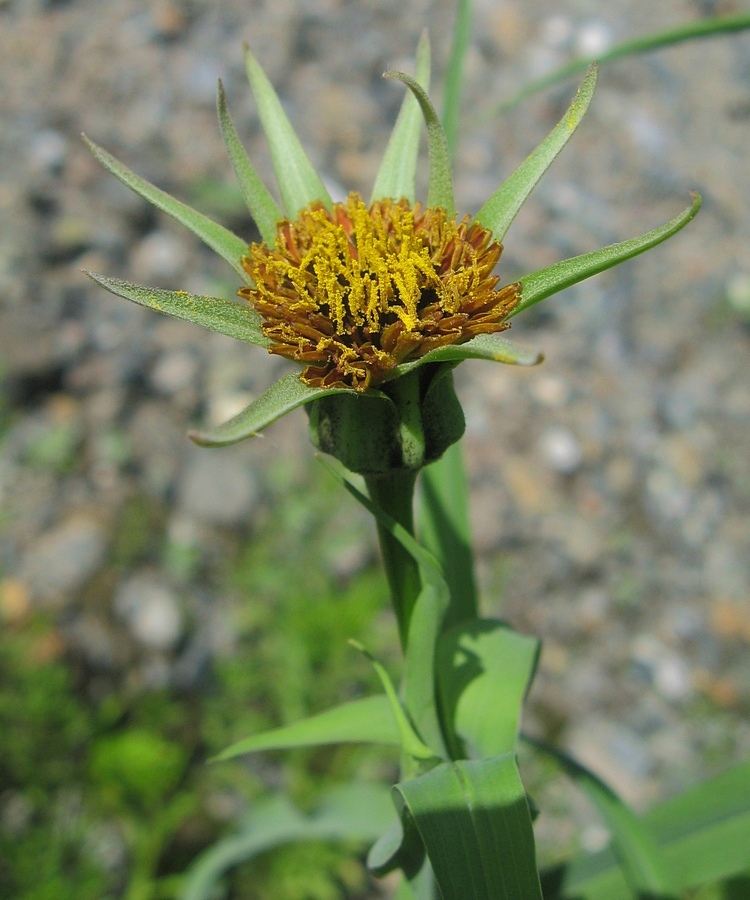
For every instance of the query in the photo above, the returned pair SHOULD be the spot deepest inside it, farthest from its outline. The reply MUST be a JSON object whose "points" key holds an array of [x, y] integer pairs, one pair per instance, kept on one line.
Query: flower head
{"points": [[363, 295], [357, 290]]}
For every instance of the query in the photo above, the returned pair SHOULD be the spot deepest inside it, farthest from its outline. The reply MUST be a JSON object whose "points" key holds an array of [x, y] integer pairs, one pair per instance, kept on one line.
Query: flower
{"points": [[364, 295], [358, 290]]}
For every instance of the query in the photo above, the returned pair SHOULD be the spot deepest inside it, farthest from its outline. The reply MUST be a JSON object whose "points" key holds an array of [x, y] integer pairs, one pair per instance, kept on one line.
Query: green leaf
{"points": [[542, 284], [426, 621], [223, 242], [483, 346], [411, 743], [454, 75], [366, 721], [701, 28], [236, 320], [500, 210], [475, 825], [485, 670], [352, 812], [445, 531], [263, 208], [440, 183], [642, 862], [397, 172], [702, 831], [298, 181], [286, 394]]}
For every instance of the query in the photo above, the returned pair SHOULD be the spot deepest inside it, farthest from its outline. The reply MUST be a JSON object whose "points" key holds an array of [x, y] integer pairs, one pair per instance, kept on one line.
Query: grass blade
{"points": [[454, 75], [704, 28], [365, 721]]}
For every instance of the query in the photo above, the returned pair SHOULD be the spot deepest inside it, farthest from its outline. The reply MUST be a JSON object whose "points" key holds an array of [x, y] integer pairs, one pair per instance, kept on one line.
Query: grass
{"points": [[112, 797]]}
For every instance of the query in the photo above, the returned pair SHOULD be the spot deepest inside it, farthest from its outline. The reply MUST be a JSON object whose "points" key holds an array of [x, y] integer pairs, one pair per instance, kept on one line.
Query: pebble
{"points": [[561, 449], [63, 559], [152, 611], [218, 487]]}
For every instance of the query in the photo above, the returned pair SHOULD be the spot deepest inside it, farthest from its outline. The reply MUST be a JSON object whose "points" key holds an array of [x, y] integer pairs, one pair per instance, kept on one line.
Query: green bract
{"points": [[417, 434]]}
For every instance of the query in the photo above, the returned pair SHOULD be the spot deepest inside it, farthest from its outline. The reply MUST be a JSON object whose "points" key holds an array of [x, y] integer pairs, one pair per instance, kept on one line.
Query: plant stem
{"points": [[394, 494]]}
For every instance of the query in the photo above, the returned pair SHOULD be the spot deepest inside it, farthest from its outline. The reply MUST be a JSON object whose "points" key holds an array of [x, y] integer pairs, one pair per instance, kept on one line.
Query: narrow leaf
{"points": [[411, 743], [483, 346], [500, 210], [263, 208], [286, 394], [223, 242], [643, 865], [440, 183], [475, 824], [352, 812], [298, 181], [485, 670], [542, 284], [702, 832], [397, 172], [701, 28], [426, 622], [445, 530], [454, 75], [365, 721], [236, 320]]}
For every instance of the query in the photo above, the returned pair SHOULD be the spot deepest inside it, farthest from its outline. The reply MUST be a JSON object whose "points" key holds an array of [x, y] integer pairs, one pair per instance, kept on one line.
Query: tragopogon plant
{"points": [[374, 303]]}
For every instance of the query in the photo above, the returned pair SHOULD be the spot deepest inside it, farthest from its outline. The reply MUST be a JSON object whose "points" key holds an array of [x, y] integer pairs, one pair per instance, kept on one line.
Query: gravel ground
{"points": [[610, 486]]}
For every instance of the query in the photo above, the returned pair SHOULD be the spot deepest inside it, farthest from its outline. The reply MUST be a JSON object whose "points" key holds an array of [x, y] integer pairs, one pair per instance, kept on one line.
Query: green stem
{"points": [[394, 494]]}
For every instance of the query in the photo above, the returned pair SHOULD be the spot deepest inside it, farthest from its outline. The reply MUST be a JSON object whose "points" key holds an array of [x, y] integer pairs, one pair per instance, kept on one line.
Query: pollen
{"points": [[354, 291]]}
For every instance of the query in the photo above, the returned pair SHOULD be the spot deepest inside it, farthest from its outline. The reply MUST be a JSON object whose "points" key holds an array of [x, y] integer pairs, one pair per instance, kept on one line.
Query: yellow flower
{"points": [[357, 290]]}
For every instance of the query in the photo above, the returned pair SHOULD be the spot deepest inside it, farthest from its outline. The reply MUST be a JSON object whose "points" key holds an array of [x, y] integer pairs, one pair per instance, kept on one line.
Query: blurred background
{"points": [[159, 601]]}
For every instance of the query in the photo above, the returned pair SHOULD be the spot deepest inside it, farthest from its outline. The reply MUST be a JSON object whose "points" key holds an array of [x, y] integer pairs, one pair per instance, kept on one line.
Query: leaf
{"points": [[236, 320], [454, 76], [500, 210], [483, 346], [426, 621], [440, 183], [445, 531], [298, 181], [701, 28], [263, 208], [475, 825], [702, 831], [366, 721], [542, 284], [225, 243], [398, 168], [352, 812], [633, 843], [286, 394], [411, 743], [485, 670]]}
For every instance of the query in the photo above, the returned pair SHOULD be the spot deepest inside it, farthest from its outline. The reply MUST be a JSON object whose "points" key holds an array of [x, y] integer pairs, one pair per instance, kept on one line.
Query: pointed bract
{"points": [[223, 242], [263, 208], [298, 181], [397, 173]]}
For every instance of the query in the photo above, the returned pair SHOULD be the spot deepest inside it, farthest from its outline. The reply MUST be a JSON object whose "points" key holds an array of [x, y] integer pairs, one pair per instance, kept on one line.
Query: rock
{"points": [[152, 611], [218, 487], [561, 450], [63, 559]]}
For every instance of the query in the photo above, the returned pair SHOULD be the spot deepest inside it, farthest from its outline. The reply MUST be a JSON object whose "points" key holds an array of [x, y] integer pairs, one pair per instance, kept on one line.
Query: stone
{"points": [[152, 611], [217, 487]]}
